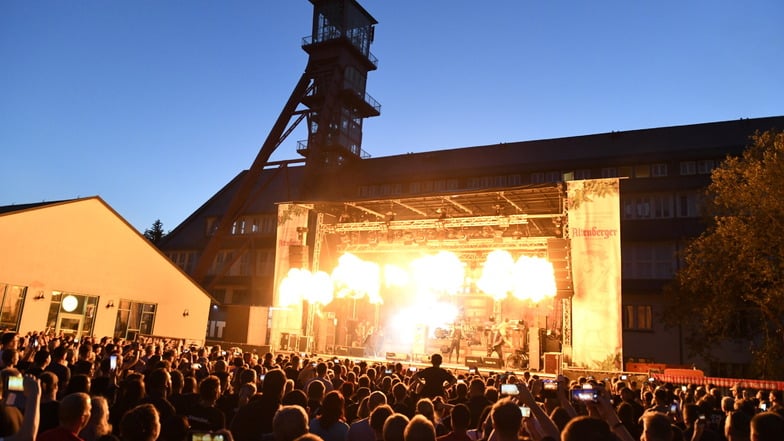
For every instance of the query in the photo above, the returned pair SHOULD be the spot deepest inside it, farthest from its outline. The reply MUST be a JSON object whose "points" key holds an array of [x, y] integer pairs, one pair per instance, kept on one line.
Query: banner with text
{"points": [[595, 233]]}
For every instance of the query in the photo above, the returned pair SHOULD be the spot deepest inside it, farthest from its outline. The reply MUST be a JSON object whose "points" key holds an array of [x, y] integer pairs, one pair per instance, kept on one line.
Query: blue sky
{"points": [[155, 105]]}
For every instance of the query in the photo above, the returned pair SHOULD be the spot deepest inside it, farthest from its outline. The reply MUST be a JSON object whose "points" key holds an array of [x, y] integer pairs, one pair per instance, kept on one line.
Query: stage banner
{"points": [[595, 233], [287, 317]]}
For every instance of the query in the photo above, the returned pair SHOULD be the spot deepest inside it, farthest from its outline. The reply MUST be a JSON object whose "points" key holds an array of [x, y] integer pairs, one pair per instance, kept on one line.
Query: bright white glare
{"points": [[442, 273], [534, 279], [496, 278], [530, 278]]}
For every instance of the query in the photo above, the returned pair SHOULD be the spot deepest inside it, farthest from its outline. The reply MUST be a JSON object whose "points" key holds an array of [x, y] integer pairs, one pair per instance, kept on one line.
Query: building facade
{"points": [[76, 267]]}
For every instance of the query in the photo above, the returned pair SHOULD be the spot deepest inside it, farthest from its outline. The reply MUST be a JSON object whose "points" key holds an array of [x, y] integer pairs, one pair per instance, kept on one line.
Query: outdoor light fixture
{"points": [[39, 296], [70, 303], [110, 304], [186, 313]]}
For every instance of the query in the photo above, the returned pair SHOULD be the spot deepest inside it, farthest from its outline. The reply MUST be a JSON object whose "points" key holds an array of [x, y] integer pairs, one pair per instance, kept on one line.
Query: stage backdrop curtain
{"points": [[595, 233]]}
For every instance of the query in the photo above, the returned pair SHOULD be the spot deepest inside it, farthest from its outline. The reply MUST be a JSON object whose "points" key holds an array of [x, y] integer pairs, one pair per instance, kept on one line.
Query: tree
{"points": [[155, 233], [731, 284]]}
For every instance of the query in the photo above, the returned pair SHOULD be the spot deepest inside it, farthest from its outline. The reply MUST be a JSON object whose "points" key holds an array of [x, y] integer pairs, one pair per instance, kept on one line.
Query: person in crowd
{"points": [[426, 408], [435, 377], [130, 394], [256, 416], [394, 427], [157, 386], [141, 423], [98, 425], [315, 393], [59, 367], [460, 418], [656, 427], [204, 415], [329, 424], [361, 430], [289, 423], [767, 426], [377, 419], [419, 428], [776, 399], [15, 426], [49, 404], [477, 401], [41, 360], [74, 414]]}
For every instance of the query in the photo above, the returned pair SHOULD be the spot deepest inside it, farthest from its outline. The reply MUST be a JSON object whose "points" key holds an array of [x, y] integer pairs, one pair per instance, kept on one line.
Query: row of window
{"points": [[686, 168], [662, 206], [250, 263], [255, 224]]}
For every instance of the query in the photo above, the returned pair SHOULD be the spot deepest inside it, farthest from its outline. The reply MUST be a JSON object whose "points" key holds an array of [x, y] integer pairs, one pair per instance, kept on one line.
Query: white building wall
{"points": [[84, 247]]}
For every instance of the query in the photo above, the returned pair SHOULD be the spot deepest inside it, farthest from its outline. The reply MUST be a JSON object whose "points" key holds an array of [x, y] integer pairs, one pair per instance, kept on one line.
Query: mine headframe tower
{"points": [[330, 95]]}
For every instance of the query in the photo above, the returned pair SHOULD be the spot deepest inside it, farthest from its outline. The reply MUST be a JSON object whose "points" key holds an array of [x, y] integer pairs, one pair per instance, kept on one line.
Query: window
{"points": [[609, 172], [537, 178], [133, 319], [11, 298], [649, 260], [553, 176], [706, 166], [659, 170], [638, 317], [515, 180], [414, 187], [642, 171], [582, 174], [265, 262], [688, 168], [648, 207], [72, 313], [688, 204]]}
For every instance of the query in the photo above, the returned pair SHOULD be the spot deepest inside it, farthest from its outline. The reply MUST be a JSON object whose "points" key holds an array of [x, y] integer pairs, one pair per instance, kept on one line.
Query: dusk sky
{"points": [[154, 105]]}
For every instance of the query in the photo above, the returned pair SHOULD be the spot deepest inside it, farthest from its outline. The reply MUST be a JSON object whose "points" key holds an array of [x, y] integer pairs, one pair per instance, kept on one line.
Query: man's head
{"points": [[74, 411], [375, 399], [141, 423], [585, 428], [656, 427], [767, 426], [507, 418], [436, 359], [419, 429]]}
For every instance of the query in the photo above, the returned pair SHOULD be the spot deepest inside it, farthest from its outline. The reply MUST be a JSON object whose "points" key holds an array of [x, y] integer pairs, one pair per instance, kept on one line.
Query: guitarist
{"points": [[499, 340]]}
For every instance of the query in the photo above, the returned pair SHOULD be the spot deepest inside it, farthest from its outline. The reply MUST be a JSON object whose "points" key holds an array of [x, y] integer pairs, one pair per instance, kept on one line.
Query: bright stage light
{"points": [[534, 279], [530, 278], [497, 274], [357, 278], [442, 273]]}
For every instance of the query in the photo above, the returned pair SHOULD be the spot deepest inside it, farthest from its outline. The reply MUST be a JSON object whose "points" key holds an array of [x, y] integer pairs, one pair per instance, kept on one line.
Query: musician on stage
{"points": [[499, 340], [454, 346]]}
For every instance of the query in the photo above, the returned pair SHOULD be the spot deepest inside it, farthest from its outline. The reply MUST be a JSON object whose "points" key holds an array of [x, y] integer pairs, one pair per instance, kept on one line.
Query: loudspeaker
{"points": [[471, 360], [356, 351], [552, 362], [304, 343], [341, 350], [495, 363]]}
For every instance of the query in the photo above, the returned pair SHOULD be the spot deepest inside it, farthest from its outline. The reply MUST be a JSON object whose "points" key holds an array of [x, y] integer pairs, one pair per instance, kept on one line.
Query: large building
{"points": [[663, 172], [77, 268]]}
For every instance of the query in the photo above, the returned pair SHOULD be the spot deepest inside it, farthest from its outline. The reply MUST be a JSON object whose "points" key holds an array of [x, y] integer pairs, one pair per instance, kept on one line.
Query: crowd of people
{"points": [[61, 388]]}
